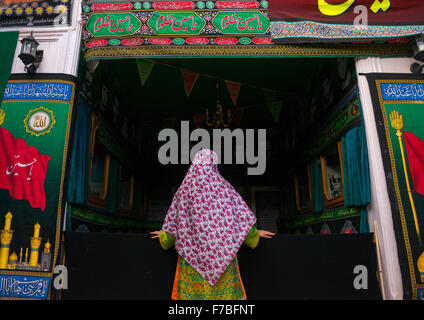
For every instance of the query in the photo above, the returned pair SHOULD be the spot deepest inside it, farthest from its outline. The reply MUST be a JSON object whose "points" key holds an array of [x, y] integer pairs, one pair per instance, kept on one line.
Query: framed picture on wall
{"points": [[284, 203], [332, 175], [126, 190], [302, 182], [99, 169], [266, 204]]}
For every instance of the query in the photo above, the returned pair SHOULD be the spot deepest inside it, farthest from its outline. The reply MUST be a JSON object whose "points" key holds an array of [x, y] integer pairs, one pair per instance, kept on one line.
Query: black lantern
{"points": [[418, 48], [29, 54]]}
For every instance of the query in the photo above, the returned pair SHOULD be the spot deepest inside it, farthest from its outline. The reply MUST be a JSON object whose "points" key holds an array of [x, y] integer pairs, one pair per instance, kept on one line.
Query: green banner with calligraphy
{"points": [[35, 130], [134, 29], [398, 103], [325, 217]]}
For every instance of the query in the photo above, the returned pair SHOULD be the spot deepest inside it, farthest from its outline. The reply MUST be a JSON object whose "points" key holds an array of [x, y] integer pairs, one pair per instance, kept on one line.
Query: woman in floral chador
{"points": [[207, 222]]}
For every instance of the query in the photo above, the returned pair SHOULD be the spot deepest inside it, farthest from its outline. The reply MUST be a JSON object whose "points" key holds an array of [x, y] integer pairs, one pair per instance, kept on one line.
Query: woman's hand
{"points": [[265, 234], [156, 234]]}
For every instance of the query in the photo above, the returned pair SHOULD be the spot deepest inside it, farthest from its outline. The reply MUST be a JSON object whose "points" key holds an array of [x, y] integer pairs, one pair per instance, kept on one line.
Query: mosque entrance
{"points": [[279, 124], [290, 136]]}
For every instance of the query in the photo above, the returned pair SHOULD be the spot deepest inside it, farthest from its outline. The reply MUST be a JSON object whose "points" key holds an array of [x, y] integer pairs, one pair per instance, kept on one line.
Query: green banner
{"points": [[398, 102], [325, 216], [241, 22], [105, 220], [113, 24], [348, 116], [35, 128], [176, 23]]}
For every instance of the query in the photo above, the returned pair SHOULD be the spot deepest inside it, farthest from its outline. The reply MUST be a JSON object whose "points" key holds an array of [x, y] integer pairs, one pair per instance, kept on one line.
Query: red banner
{"points": [[384, 12], [22, 170], [315, 21]]}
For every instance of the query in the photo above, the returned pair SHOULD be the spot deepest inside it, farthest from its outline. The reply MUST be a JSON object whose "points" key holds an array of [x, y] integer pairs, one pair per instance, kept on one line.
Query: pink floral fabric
{"points": [[208, 218]]}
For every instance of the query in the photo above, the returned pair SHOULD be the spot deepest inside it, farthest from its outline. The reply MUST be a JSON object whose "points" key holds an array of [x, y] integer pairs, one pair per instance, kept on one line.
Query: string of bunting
{"points": [[145, 67], [236, 115]]}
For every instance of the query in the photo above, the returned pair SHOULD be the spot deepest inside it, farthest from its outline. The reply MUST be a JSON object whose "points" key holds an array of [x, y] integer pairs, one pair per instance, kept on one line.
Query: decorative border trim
{"points": [[36, 13], [302, 30], [339, 50]]}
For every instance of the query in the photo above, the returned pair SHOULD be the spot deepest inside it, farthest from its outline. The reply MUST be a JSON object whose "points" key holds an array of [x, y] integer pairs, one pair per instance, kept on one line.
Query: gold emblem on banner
{"points": [[39, 121]]}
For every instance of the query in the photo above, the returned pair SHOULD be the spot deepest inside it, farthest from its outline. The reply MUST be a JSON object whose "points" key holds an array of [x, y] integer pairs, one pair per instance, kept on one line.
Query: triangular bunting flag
{"points": [[236, 114], [275, 109], [190, 78], [144, 69], [415, 152], [234, 90], [198, 119], [269, 96], [169, 123]]}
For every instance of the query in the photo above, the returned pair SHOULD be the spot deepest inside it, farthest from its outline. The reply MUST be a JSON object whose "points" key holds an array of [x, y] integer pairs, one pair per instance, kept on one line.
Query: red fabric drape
{"points": [[22, 170], [415, 153], [401, 12]]}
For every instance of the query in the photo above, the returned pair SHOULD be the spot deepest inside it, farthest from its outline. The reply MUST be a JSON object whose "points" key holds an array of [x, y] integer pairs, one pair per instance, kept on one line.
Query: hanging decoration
{"points": [[348, 228], [190, 78], [198, 119], [144, 69], [325, 229], [233, 89], [169, 122], [269, 96], [275, 109], [274, 106], [237, 114], [218, 118]]}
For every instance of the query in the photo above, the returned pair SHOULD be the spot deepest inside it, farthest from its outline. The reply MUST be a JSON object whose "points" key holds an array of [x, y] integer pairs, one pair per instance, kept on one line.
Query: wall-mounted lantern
{"points": [[30, 56]]}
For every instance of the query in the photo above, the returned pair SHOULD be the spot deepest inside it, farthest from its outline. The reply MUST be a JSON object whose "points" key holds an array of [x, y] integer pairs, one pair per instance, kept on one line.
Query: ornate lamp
{"points": [[418, 54], [418, 48], [218, 119], [29, 55]]}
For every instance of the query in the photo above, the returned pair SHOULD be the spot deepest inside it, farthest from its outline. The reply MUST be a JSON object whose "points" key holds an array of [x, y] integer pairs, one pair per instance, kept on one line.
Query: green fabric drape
{"points": [[292, 202], [113, 188], [80, 159], [316, 186], [356, 174], [8, 42]]}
